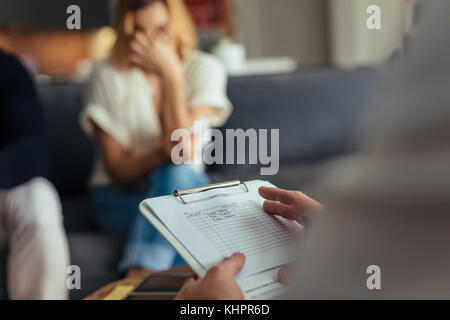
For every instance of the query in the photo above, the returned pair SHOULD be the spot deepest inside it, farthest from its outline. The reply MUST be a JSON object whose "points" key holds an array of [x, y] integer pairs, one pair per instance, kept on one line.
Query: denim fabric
{"points": [[117, 211]]}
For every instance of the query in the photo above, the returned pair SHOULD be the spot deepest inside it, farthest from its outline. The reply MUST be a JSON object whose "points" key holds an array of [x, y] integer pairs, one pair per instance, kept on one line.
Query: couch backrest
{"points": [[317, 111], [71, 151]]}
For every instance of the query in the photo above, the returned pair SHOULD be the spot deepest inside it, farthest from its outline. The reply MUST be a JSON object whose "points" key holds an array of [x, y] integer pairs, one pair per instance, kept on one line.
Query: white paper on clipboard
{"points": [[206, 232]]}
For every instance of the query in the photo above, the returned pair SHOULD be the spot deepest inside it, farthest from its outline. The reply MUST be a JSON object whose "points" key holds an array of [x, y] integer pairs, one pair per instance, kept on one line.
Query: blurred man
{"points": [[388, 210], [30, 211]]}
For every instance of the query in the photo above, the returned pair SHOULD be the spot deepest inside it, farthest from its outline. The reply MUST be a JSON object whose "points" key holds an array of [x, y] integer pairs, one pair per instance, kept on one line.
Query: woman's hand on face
{"points": [[292, 205], [155, 56]]}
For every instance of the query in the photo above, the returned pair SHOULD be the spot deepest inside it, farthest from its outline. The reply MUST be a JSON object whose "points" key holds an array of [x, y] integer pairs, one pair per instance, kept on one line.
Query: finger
{"points": [[268, 193], [231, 266], [285, 273], [278, 209], [296, 198], [191, 280], [136, 59], [192, 277], [187, 287], [234, 264], [142, 39], [137, 47], [284, 196]]}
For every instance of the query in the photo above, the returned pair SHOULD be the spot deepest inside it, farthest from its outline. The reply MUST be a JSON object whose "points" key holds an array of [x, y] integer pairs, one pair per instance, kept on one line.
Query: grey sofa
{"points": [[317, 111]]}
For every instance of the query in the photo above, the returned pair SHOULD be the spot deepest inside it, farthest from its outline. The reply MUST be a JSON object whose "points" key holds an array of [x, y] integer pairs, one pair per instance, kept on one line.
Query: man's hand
{"points": [[292, 205], [218, 284]]}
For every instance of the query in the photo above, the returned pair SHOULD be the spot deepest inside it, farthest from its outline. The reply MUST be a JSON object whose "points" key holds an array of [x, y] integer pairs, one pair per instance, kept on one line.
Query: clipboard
{"points": [[181, 194], [184, 192]]}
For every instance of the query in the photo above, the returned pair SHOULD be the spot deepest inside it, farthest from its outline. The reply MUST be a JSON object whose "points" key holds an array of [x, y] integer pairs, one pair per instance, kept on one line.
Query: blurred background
{"points": [[306, 67], [289, 32]]}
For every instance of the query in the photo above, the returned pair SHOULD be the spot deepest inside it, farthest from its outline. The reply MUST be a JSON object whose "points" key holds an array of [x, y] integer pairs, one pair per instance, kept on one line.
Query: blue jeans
{"points": [[117, 211]]}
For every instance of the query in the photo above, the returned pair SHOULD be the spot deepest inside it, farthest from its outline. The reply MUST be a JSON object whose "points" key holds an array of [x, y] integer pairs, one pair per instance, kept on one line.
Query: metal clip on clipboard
{"points": [[184, 192]]}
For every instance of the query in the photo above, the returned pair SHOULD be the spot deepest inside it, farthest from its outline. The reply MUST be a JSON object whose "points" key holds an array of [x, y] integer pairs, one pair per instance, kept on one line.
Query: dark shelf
{"points": [[52, 14]]}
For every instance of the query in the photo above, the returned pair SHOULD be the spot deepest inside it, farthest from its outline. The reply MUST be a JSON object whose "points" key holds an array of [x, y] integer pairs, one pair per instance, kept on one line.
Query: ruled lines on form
{"points": [[243, 227]]}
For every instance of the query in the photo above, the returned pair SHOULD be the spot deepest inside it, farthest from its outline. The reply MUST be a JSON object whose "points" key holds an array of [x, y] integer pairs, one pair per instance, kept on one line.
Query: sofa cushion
{"points": [[97, 255], [71, 151], [3, 268], [78, 215], [317, 111]]}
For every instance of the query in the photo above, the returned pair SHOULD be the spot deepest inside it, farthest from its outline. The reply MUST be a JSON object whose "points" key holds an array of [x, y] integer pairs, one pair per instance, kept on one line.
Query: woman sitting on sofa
{"points": [[154, 82]]}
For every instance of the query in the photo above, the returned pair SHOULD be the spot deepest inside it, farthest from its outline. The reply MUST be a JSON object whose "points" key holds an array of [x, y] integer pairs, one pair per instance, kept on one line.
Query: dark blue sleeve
{"points": [[23, 136]]}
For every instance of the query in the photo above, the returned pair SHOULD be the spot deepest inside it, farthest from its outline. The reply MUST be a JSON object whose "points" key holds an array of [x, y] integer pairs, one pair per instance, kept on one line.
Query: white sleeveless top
{"points": [[121, 103]]}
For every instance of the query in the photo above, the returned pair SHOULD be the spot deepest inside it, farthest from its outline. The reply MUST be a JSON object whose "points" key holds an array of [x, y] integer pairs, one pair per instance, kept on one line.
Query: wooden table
{"points": [[127, 284]]}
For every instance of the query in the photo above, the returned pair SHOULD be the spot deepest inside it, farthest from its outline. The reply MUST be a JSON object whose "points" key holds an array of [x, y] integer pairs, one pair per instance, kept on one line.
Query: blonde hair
{"points": [[180, 20]]}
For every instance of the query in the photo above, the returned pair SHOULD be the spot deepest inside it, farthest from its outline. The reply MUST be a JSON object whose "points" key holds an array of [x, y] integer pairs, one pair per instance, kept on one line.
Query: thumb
{"points": [[285, 273], [233, 265]]}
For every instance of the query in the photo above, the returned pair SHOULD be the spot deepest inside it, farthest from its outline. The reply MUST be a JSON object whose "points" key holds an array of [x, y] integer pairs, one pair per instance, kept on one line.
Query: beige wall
{"points": [[352, 44], [295, 28], [321, 31]]}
